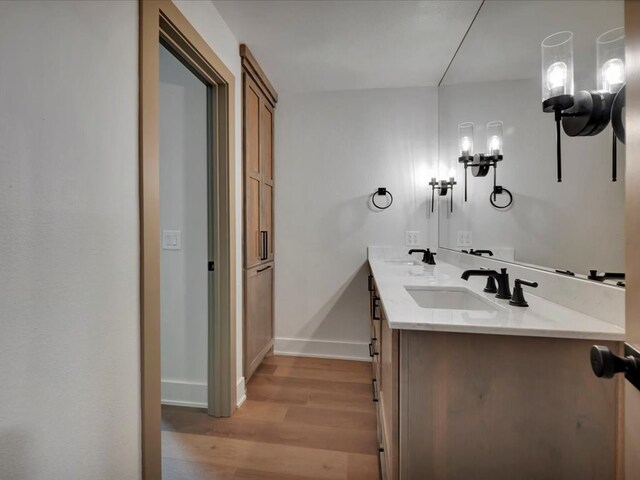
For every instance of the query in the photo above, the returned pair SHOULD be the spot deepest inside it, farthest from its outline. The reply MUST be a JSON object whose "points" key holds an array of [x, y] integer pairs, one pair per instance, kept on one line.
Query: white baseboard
{"points": [[322, 349], [184, 394], [241, 392]]}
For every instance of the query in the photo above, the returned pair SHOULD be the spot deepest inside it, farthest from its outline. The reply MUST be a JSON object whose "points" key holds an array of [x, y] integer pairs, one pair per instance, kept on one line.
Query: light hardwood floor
{"points": [[304, 418]]}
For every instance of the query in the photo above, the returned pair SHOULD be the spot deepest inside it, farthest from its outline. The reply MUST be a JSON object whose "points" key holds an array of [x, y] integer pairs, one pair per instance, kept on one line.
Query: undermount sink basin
{"points": [[450, 298]]}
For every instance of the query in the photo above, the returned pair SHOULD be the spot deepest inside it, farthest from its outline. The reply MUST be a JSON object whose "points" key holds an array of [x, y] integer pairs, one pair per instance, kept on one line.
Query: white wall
{"points": [[69, 288], [577, 224], [333, 149], [183, 207], [69, 322], [207, 21]]}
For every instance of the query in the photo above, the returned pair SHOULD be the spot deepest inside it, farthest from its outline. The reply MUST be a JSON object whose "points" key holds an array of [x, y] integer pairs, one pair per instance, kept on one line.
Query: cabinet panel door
{"points": [[266, 132], [258, 333], [267, 218], [253, 237], [252, 101]]}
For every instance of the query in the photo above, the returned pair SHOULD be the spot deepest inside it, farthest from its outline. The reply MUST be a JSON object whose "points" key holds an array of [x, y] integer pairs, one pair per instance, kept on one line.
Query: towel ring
{"points": [[498, 191], [382, 191]]}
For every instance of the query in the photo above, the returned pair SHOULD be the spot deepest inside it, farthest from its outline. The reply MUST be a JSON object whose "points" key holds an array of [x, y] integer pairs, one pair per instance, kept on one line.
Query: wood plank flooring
{"points": [[304, 418]]}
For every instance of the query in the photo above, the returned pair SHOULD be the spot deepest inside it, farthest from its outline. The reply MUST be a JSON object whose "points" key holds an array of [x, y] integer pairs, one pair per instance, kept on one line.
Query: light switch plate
{"points": [[412, 238], [171, 240], [465, 239]]}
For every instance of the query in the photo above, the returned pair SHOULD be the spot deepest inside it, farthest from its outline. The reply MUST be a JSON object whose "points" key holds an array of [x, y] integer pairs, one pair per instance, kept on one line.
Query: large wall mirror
{"points": [[575, 225]]}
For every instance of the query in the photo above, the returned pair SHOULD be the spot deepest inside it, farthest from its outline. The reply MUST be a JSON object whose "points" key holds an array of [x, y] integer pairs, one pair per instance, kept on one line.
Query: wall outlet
{"points": [[412, 238], [465, 239]]}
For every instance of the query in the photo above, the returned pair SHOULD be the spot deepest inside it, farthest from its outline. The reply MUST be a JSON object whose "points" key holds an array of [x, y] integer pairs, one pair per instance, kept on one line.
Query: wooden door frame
{"points": [[161, 20], [631, 397]]}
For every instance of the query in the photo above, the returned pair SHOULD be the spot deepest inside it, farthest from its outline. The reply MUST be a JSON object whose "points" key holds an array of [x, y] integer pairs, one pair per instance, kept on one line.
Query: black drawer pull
{"points": [[371, 283], [263, 269], [373, 387]]}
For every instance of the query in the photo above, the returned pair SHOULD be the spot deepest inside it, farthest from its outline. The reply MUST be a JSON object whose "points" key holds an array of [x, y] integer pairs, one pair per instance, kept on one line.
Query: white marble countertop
{"points": [[541, 319]]}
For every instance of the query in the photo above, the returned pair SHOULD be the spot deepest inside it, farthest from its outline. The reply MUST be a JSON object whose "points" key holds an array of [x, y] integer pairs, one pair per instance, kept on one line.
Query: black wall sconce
{"points": [[443, 187], [481, 163], [587, 112]]}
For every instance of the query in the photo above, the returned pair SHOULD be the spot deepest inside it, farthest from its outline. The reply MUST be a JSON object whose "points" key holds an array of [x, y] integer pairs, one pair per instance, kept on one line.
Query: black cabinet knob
{"points": [[606, 364]]}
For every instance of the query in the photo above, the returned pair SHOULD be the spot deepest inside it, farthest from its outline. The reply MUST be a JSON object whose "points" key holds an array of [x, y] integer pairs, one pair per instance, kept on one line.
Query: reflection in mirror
{"points": [[493, 130]]}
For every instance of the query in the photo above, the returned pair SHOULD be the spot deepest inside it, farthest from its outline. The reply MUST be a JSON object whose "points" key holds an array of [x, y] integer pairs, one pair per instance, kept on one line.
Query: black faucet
{"points": [[518, 295], [504, 290], [593, 275], [427, 256], [480, 252]]}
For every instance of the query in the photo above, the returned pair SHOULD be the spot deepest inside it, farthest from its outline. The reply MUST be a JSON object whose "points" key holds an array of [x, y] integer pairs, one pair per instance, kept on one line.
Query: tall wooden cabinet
{"points": [[259, 99]]}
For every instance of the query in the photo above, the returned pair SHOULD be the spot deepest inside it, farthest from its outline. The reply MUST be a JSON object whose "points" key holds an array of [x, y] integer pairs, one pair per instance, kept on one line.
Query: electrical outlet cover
{"points": [[412, 238], [465, 239]]}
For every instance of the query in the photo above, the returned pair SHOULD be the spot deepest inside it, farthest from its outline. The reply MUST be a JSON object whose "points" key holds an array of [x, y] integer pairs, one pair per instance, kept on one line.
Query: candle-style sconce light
{"points": [[443, 187], [481, 163], [587, 112]]}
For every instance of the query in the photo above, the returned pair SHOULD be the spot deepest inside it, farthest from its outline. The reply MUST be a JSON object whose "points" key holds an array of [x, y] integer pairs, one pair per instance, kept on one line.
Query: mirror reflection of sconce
{"points": [[587, 112], [481, 163], [443, 187]]}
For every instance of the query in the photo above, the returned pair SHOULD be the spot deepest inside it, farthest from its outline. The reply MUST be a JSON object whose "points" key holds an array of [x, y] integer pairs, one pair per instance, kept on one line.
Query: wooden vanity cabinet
{"points": [[258, 112], [454, 406]]}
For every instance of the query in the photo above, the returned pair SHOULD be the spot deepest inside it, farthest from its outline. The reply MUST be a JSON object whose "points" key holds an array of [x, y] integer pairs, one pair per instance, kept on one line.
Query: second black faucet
{"points": [[427, 257], [504, 289]]}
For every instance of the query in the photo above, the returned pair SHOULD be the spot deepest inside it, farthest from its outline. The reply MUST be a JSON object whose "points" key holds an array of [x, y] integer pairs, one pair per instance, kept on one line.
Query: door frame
{"points": [[161, 20], [631, 398]]}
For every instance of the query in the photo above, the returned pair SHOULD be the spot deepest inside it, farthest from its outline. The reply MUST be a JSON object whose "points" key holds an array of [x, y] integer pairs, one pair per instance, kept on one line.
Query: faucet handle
{"points": [[517, 300], [490, 287]]}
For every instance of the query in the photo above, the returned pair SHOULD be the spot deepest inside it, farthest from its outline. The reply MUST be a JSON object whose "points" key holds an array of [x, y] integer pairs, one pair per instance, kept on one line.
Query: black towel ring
{"points": [[498, 191], [382, 191]]}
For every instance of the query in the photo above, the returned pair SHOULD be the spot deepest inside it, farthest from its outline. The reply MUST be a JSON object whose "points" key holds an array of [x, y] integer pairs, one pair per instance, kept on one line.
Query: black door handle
{"points": [[606, 364], [264, 247]]}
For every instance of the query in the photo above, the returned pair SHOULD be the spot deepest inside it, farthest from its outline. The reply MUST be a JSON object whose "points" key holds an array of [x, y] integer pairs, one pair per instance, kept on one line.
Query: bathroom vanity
{"points": [[467, 386]]}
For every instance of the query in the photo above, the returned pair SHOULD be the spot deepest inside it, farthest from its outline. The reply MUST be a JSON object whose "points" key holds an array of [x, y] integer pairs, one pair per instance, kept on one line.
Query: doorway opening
{"points": [[162, 26], [184, 257]]}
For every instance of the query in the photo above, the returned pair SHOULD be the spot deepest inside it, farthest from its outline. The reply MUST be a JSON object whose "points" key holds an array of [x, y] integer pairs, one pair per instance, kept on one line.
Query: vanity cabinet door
{"points": [[466, 413], [388, 397]]}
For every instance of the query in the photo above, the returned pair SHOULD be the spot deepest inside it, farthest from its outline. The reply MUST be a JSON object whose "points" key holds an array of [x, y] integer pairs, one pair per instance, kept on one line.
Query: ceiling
{"points": [[513, 51], [321, 45]]}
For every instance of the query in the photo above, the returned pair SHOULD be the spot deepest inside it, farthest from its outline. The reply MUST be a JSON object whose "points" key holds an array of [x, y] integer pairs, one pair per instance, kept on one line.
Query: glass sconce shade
{"points": [[465, 139], [610, 47], [557, 66], [494, 138]]}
